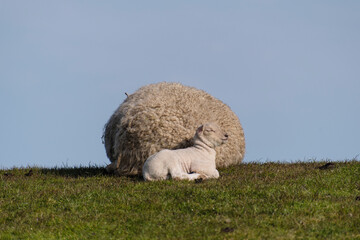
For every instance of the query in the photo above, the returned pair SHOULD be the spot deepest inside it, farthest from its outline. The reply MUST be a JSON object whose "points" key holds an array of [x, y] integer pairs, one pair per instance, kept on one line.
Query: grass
{"points": [[249, 201]]}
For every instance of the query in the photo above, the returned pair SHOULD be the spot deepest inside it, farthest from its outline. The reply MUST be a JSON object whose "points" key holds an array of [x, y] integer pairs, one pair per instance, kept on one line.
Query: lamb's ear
{"points": [[200, 129]]}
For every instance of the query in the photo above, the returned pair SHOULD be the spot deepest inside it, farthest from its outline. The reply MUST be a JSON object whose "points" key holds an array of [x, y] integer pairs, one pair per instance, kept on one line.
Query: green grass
{"points": [[250, 201]]}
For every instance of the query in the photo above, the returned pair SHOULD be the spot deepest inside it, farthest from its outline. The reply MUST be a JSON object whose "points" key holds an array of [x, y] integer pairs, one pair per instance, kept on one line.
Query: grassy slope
{"points": [[275, 201]]}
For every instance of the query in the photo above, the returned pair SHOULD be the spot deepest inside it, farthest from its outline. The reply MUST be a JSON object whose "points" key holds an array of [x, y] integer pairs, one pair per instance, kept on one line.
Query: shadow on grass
{"points": [[92, 171], [77, 172]]}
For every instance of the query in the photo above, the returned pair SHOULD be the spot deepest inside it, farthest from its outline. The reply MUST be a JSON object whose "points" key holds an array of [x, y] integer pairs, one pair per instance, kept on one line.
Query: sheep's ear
{"points": [[200, 129]]}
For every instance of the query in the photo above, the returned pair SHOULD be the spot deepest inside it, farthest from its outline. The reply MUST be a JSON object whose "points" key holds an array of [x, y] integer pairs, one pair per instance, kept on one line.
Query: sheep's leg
{"points": [[112, 167]]}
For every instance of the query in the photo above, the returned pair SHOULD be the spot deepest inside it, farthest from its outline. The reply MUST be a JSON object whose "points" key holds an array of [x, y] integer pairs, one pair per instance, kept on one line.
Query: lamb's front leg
{"points": [[209, 174], [177, 175]]}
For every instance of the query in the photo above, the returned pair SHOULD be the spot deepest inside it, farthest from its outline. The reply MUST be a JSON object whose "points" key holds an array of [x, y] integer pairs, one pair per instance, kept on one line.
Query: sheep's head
{"points": [[211, 134]]}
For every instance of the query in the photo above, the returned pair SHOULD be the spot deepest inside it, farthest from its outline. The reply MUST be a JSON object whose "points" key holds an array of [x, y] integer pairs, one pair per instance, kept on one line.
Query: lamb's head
{"points": [[211, 134]]}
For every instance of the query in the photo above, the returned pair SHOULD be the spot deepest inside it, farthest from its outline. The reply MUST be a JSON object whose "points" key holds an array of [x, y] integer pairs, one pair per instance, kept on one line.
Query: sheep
{"points": [[196, 162], [165, 116]]}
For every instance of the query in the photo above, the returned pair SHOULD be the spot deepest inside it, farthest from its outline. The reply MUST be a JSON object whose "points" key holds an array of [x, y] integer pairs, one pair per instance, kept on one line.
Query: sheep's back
{"points": [[166, 116]]}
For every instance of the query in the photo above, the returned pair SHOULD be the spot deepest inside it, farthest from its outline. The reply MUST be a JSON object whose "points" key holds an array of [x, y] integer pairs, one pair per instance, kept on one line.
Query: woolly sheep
{"points": [[165, 116], [191, 163]]}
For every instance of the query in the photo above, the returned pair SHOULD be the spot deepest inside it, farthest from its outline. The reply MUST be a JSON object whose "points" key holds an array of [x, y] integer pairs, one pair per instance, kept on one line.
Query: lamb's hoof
{"points": [[199, 180]]}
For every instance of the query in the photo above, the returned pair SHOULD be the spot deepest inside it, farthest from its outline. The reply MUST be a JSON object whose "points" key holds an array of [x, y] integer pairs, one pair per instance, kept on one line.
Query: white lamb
{"points": [[189, 163]]}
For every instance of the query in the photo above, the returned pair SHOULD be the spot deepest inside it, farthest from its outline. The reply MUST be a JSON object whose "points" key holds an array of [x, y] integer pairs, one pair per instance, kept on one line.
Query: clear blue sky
{"points": [[289, 69]]}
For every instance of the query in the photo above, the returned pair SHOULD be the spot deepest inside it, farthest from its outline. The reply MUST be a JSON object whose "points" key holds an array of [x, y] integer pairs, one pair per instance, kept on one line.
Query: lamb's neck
{"points": [[201, 146]]}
